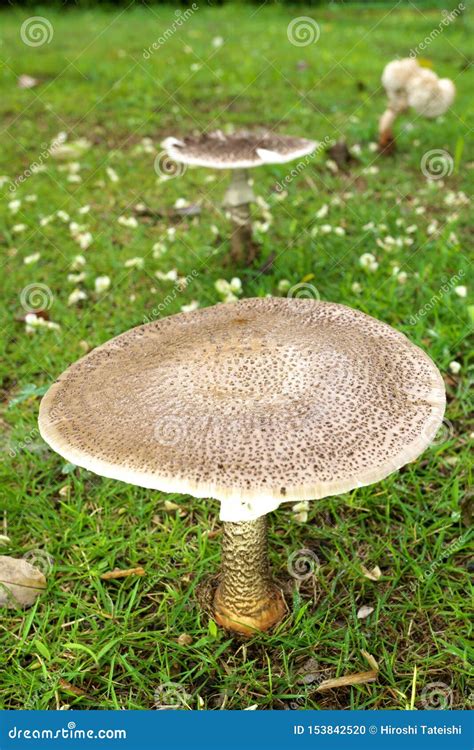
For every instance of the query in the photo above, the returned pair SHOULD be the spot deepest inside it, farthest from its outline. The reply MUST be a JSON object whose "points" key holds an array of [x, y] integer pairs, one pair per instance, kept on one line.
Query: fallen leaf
{"points": [[20, 583], [364, 612], [372, 575], [185, 640], [71, 688], [117, 573], [358, 678]]}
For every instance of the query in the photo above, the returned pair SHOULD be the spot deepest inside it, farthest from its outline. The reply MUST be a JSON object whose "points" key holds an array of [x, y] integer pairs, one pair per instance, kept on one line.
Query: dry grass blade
{"points": [[117, 573]]}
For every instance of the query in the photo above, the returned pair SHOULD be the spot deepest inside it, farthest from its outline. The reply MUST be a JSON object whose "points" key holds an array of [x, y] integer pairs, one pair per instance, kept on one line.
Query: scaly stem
{"points": [[237, 200], [246, 599]]}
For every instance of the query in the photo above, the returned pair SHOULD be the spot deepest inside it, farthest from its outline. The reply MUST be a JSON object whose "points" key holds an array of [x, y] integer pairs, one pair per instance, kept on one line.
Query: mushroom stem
{"points": [[386, 137], [237, 199], [246, 599]]}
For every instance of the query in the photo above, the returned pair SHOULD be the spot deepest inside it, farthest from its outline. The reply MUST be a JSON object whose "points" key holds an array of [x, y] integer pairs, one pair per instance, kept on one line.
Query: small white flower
{"points": [[84, 240], [189, 308], [77, 262], [137, 262], [33, 322], [461, 291], [128, 221], [373, 147], [236, 285], [368, 261], [14, 206], [419, 210], [19, 228], [340, 231], [101, 284], [217, 42], [454, 367], [112, 174], [411, 229], [432, 227], [356, 287], [181, 203], [168, 276], [33, 258], [158, 249], [62, 215], [195, 67], [76, 296], [31, 198], [323, 212], [76, 278], [402, 277], [74, 178], [171, 232], [84, 210], [371, 170], [222, 286], [284, 285], [326, 228], [368, 226]]}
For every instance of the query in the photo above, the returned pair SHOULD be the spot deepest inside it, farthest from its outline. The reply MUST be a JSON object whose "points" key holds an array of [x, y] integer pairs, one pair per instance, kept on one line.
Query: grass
{"points": [[88, 643]]}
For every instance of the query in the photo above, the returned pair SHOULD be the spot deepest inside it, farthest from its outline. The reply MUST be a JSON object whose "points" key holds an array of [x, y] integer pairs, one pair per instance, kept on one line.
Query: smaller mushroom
{"points": [[238, 152], [409, 85]]}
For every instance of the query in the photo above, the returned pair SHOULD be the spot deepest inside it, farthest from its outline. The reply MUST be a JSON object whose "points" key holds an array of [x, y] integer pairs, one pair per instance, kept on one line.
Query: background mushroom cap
{"points": [[238, 151], [429, 95], [397, 73], [253, 403]]}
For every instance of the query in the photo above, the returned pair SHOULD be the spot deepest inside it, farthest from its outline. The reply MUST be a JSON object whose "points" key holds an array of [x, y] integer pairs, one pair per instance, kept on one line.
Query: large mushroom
{"points": [[254, 404], [239, 152], [409, 85]]}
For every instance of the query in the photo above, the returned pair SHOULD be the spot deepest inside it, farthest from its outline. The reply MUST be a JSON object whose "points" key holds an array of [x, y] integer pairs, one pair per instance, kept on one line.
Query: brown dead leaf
{"points": [[20, 583], [358, 678], [372, 575], [117, 573]]}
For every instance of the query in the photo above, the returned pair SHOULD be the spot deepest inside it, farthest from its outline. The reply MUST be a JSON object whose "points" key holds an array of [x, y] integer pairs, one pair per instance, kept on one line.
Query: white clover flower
{"points": [[158, 249], [101, 284], [84, 210], [76, 296], [137, 262], [368, 261], [193, 305], [454, 367], [76, 278], [62, 215], [181, 203], [77, 262], [284, 285], [217, 42], [171, 232], [369, 225], [419, 210], [128, 221], [340, 231], [236, 285], [74, 178], [32, 198], [323, 211], [371, 170], [461, 291], [356, 287], [432, 227], [33, 258], [33, 322], [402, 277], [84, 239], [326, 228], [222, 286], [411, 229], [168, 276], [19, 228], [112, 174], [14, 206]]}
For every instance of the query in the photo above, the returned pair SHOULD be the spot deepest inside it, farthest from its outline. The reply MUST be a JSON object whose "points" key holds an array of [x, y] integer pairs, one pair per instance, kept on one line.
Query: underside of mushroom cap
{"points": [[240, 150], [253, 403]]}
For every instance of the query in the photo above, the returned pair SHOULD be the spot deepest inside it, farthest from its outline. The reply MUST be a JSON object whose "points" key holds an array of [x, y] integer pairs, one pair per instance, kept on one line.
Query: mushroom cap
{"points": [[238, 151], [253, 403], [397, 73], [429, 95]]}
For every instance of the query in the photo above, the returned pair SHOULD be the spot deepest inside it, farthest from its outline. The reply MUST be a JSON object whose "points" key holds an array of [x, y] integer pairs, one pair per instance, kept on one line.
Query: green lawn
{"points": [[116, 642]]}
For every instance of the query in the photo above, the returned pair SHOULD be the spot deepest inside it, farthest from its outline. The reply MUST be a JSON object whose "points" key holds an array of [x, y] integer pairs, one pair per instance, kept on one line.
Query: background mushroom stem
{"points": [[386, 137], [246, 599], [237, 201]]}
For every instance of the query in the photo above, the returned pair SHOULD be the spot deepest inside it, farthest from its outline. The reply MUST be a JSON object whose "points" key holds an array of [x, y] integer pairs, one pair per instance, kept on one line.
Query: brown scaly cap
{"points": [[253, 403], [238, 151]]}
